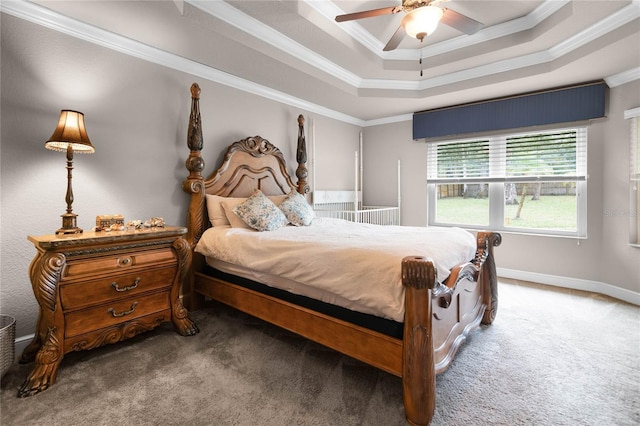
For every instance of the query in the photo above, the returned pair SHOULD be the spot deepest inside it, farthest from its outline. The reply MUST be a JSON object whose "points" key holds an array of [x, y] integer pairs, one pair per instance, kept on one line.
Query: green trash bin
{"points": [[7, 342]]}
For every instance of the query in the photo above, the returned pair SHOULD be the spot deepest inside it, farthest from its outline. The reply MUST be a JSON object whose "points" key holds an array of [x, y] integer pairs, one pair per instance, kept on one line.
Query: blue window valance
{"points": [[562, 105]]}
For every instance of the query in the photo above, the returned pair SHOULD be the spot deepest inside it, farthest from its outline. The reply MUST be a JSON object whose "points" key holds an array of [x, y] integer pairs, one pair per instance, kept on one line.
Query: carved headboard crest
{"points": [[256, 146]]}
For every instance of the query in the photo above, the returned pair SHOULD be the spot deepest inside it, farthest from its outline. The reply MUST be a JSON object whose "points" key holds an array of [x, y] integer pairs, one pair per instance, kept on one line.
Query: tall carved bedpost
{"points": [[301, 157], [194, 186], [418, 357]]}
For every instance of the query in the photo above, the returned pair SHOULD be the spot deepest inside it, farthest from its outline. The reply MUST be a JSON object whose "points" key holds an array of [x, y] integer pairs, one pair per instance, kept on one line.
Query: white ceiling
{"points": [[296, 52]]}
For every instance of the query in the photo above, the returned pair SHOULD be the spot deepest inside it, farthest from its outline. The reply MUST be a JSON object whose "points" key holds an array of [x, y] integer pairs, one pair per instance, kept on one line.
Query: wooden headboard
{"points": [[249, 164]]}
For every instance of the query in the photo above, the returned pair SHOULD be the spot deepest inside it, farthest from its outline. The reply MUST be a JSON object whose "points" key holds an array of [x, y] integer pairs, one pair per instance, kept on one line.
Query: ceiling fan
{"points": [[421, 19]]}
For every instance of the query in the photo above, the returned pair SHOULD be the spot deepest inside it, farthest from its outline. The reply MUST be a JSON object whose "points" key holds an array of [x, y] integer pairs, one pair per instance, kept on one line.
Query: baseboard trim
{"points": [[21, 343], [572, 283]]}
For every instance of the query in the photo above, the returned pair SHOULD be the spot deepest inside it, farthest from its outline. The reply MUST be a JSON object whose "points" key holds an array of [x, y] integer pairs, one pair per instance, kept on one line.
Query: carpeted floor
{"points": [[552, 357]]}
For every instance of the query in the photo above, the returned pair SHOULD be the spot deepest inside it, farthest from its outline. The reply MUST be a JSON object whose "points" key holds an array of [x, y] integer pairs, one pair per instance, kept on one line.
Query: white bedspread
{"points": [[360, 263]]}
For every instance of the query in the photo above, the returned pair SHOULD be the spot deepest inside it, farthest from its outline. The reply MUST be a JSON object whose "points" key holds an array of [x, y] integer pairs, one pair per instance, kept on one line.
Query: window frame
{"points": [[497, 181]]}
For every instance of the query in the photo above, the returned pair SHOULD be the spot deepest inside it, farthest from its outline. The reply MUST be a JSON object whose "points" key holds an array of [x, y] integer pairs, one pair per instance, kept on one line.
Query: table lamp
{"points": [[70, 136]]}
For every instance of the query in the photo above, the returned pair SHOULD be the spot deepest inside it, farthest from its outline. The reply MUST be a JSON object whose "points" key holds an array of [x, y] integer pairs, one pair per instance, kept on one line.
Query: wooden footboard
{"points": [[438, 315], [438, 318]]}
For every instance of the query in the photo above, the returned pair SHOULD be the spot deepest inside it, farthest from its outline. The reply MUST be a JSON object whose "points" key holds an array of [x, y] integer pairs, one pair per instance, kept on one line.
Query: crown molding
{"points": [[329, 10], [623, 77], [232, 16]]}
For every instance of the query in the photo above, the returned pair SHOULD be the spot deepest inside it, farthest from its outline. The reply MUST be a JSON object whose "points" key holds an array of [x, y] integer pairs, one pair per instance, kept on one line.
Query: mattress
{"points": [[352, 265]]}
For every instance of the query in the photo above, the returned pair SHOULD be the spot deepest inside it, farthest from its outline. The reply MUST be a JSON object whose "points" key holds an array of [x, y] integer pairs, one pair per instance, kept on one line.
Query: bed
{"points": [[437, 315]]}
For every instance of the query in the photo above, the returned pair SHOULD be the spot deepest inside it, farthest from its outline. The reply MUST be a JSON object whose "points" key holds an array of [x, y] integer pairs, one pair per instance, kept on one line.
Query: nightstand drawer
{"points": [[87, 320], [118, 263], [86, 293]]}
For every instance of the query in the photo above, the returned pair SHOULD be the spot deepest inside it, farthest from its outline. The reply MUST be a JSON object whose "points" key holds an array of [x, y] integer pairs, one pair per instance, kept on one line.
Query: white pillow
{"points": [[232, 218], [260, 213], [217, 216], [296, 209]]}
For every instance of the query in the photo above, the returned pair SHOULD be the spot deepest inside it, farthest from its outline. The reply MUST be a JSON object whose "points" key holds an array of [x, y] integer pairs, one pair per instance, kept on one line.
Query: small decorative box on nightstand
{"points": [[107, 221], [96, 288]]}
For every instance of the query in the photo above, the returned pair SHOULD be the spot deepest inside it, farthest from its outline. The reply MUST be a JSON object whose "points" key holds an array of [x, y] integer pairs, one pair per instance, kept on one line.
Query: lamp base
{"points": [[69, 224]]}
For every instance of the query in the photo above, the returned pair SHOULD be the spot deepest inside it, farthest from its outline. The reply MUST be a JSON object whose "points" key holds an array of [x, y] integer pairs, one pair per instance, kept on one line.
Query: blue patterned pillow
{"points": [[296, 209], [260, 213]]}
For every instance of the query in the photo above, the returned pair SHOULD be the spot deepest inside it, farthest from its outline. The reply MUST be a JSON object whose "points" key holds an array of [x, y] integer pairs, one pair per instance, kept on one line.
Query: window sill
{"points": [[514, 232]]}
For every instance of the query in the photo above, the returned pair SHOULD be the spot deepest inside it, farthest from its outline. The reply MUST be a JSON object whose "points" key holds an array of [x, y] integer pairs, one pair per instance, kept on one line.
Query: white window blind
{"points": [[558, 155]]}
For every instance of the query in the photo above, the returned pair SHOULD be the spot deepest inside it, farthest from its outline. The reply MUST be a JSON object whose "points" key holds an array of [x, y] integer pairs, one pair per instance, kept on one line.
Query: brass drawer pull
{"points": [[121, 314], [124, 261], [131, 287]]}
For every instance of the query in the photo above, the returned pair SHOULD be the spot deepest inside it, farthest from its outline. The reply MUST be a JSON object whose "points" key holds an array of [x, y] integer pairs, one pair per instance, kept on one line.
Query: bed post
{"points": [[418, 358], [301, 158], [488, 278], [194, 186]]}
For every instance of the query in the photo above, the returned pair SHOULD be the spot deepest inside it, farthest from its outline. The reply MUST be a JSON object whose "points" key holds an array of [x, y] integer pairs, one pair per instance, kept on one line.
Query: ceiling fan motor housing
{"points": [[422, 21]]}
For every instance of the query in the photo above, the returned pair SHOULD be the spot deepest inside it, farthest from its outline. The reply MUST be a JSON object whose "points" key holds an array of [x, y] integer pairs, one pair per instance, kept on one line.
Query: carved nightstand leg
{"points": [[179, 314], [185, 326], [44, 372]]}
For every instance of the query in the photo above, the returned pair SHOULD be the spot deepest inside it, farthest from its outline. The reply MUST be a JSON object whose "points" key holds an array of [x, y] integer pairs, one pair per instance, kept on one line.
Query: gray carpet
{"points": [[553, 357]]}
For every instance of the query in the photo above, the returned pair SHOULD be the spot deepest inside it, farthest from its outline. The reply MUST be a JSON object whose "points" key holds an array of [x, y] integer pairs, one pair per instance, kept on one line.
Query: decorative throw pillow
{"points": [[228, 205], [260, 213], [296, 209]]}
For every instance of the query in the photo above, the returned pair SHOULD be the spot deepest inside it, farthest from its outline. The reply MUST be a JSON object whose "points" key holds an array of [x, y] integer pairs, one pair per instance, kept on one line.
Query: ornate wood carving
{"points": [[194, 184], [255, 146], [83, 309], [180, 318], [45, 279], [118, 332], [418, 361], [301, 157], [47, 361], [488, 278], [195, 163]]}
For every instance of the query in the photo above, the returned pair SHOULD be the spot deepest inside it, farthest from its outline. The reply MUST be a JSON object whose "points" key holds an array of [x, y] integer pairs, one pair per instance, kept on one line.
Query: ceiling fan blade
{"points": [[460, 22], [395, 40], [368, 13]]}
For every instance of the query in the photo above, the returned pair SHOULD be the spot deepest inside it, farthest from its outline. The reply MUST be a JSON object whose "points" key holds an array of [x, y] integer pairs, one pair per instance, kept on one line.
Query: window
{"points": [[527, 182]]}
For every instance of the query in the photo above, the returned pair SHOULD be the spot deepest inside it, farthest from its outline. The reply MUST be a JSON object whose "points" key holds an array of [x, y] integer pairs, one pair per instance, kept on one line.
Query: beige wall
{"points": [[604, 259]]}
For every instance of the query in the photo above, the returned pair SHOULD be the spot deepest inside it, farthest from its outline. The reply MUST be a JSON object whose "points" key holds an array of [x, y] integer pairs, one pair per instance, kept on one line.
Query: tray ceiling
{"points": [[296, 49]]}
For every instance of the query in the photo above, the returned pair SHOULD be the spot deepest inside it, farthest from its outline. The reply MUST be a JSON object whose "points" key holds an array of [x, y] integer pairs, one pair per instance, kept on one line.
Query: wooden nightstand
{"points": [[97, 288]]}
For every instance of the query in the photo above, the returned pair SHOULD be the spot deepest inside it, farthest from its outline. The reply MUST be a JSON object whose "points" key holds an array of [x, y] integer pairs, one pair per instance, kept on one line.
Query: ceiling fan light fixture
{"points": [[422, 21]]}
